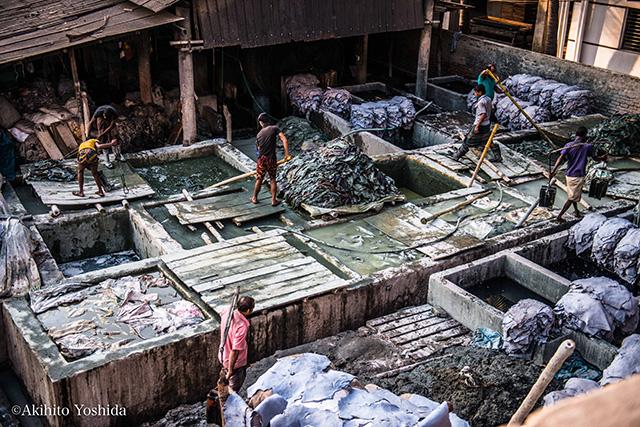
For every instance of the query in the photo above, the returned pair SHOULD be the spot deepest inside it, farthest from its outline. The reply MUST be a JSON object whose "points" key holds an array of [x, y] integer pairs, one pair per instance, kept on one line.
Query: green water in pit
{"points": [[193, 174], [360, 238]]}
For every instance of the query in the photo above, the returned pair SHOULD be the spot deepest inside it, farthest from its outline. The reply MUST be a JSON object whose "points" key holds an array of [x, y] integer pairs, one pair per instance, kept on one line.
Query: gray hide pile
{"points": [[395, 113], [581, 234], [306, 96], [626, 362], [524, 325], [306, 392], [606, 239]]}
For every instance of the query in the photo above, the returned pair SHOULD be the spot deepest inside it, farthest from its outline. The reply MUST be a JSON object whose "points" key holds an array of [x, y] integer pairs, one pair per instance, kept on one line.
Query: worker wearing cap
{"points": [[266, 142], [88, 159], [481, 130], [576, 153], [234, 349]]}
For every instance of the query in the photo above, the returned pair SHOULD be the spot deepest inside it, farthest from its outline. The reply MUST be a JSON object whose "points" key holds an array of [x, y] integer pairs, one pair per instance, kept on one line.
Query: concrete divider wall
{"points": [[150, 239], [615, 93]]}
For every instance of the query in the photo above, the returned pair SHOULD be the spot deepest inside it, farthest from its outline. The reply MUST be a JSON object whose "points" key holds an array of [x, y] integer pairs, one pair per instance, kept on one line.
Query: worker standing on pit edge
{"points": [[104, 119], [479, 135], [88, 159], [234, 350], [576, 153], [267, 159]]}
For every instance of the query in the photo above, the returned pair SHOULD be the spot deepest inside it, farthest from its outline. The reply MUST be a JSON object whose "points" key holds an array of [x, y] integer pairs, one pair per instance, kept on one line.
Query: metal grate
{"points": [[631, 37]]}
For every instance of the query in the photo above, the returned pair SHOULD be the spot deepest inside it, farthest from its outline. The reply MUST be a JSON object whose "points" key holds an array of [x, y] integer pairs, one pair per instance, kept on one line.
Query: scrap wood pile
{"points": [[620, 134], [307, 96], [303, 390], [302, 135], [335, 175], [41, 112], [114, 312], [543, 99]]}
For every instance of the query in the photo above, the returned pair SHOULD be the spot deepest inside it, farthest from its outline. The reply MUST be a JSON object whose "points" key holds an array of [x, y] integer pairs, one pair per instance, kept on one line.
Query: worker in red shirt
{"points": [[234, 350]]}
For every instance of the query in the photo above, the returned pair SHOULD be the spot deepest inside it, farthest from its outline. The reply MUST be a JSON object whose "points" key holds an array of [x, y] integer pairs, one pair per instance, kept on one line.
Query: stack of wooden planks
{"points": [[264, 266]]}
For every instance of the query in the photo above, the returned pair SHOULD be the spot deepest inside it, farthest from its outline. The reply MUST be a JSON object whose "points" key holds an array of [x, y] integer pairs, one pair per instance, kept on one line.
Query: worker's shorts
{"points": [[480, 138], [237, 379], [267, 165], [574, 188], [88, 158]]}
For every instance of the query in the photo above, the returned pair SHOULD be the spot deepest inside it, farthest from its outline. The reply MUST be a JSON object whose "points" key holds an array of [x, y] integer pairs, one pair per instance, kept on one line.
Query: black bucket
{"points": [[598, 188], [547, 196]]}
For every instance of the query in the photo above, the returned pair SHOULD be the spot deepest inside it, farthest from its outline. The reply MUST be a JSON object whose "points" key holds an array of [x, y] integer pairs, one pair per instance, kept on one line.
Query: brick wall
{"points": [[616, 93]]}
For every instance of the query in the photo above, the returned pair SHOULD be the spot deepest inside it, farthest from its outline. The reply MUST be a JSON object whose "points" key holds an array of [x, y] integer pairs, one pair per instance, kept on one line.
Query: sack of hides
{"points": [[537, 113], [626, 256], [573, 387], [606, 239], [305, 391], [18, 270], [143, 127], [536, 90], [511, 117], [599, 307], [620, 134], [545, 98], [581, 235], [305, 99], [337, 101], [395, 113], [557, 103], [524, 325], [626, 362], [575, 103], [337, 174], [302, 135]]}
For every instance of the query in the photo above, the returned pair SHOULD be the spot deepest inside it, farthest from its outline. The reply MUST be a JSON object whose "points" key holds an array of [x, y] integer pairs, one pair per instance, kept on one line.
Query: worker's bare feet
{"points": [[254, 200], [78, 193], [560, 219], [275, 202], [578, 214], [100, 193]]}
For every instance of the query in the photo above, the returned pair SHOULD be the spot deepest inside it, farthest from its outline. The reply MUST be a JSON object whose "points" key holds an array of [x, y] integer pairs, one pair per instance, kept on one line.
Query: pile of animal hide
{"points": [[306, 96], [620, 135], [581, 234], [302, 390], [395, 113], [599, 307], [510, 116], [51, 170], [626, 362], [524, 325], [142, 127], [606, 239], [334, 175], [18, 270], [302, 135], [562, 100]]}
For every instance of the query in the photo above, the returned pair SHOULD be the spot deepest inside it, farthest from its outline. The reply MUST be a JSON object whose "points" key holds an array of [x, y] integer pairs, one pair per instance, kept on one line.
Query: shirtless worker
{"points": [[576, 153], [88, 159], [103, 120], [234, 351], [266, 142]]}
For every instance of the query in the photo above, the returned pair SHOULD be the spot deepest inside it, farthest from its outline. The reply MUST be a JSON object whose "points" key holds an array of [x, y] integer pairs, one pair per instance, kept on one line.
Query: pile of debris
{"points": [[303, 390], [302, 135], [620, 135], [307, 96], [337, 174]]}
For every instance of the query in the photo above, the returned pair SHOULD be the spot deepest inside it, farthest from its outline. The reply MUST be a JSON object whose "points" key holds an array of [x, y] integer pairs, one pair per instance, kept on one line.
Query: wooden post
{"points": [[422, 72], [78, 92], [185, 70], [539, 33], [144, 68], [361, 59]]}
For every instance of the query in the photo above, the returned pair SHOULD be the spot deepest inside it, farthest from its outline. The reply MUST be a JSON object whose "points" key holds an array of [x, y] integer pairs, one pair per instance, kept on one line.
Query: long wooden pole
{"points": [[484, 154], [78, 91], [238, 178], [562, 353], [524, 113]]}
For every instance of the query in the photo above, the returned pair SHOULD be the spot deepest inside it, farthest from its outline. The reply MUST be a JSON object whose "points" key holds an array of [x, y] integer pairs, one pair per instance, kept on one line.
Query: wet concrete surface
{"points": [[74, 268]]}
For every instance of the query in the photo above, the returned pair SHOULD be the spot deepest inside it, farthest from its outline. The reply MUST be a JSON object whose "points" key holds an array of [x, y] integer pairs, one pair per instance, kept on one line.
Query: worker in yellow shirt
{"points": [[88, 159]]}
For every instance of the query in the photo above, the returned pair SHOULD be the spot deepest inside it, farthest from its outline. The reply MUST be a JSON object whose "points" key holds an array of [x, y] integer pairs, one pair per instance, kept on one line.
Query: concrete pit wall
{"points": [[615, 93], [447, 98]]}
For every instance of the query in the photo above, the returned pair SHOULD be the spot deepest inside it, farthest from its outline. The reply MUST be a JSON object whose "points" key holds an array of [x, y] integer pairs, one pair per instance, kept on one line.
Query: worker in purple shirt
{"points": [[576, 153]]}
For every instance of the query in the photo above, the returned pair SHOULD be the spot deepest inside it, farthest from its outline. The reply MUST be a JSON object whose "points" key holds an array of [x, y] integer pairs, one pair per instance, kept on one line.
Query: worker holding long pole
{"points": [[267, 161], [481, 130]]}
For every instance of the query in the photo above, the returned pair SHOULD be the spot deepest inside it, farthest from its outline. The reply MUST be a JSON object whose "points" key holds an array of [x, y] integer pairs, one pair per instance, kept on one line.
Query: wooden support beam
{"points": [[424, 50], [185, 70], [362, 59], [539, 33], [78, 91], [144, 68]]}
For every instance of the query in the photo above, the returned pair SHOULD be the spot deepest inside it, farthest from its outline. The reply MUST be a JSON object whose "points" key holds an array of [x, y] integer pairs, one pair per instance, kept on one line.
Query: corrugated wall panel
{"points": [[252, 23]]}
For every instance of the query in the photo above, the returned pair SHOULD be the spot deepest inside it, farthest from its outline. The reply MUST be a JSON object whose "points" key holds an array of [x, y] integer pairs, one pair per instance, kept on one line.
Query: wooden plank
{"points": [[440, 339], [47, 142], [64, 196], [261, 213], [374, 323], [66, 136], [310, 292], [402, 223], [425, 332], [427, 349], [415, 327], [393, 325], [250, 274], [187, 214]]}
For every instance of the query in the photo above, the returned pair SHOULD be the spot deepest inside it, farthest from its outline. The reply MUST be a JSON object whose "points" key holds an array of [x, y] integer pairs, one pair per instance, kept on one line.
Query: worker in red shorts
{"points": [[266, 143]]}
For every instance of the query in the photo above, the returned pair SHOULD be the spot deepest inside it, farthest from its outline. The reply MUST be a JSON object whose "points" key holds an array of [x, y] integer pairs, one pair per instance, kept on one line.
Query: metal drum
{"points": [[547, 196]]}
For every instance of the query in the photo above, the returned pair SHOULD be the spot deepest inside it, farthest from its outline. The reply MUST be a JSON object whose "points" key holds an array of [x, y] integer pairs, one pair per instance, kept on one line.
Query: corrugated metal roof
{"points": [[252, 23], [35, 27]]}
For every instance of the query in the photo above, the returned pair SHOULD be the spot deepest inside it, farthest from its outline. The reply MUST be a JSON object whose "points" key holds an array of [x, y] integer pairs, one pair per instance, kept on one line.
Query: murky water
{"points": [[30, 200], [503, 293], [192, 174], [575, 268], [74, 268], [538, 149], [359, 238]]}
